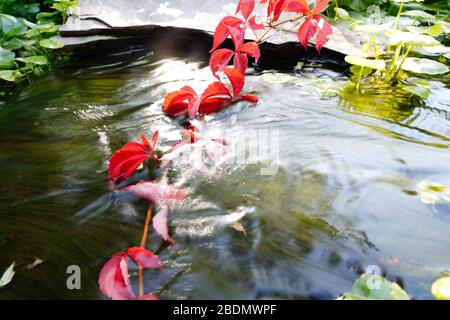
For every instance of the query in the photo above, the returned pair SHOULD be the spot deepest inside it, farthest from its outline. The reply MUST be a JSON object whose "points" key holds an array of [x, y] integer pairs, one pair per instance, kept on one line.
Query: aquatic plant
{"points": [[162, 194], [387, 53], [27, 30]]}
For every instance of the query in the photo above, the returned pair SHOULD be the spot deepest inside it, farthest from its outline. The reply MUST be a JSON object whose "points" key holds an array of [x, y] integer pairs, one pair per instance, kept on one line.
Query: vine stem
{"points": [[142, 245], [271, 26]]}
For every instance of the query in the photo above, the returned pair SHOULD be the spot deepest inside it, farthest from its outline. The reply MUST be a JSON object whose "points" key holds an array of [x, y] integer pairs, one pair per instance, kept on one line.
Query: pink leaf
{"points": [[147, 297], [113, 280], [193, 107], [158, 192], [306, 31], [219, 60], [324, 31], [160, 224], [145, 258], [254, 25], [245, 7]]}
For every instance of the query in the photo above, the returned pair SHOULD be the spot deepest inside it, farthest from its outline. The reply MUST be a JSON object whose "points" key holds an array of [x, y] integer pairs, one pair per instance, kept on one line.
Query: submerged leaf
{"points": [[8, 275], [375, 287]]}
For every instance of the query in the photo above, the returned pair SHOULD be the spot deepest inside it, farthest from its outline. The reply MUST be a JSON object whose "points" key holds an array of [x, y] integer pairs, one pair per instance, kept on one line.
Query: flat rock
{"points": [[134, 18]]}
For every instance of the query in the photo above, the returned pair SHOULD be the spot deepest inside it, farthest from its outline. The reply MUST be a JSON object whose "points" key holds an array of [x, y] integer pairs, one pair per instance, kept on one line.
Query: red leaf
{"points": [[276, 8], [214, 98], [324, 31], [223, 30], [320, 6], [300, 6], [219, 60], [237, 33], [160, 224], [177, 103], [245, 7], [236, 79], [254, 25], [113, 280], [250, 98], [160, 193], [306, 31], [240, 62], [251, 49], [193, 107], [145, 258], [126, 160]]}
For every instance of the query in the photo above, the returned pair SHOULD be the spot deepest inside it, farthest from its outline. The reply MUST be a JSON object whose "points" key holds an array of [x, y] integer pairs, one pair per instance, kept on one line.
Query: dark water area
{"points": [[343, 196]]}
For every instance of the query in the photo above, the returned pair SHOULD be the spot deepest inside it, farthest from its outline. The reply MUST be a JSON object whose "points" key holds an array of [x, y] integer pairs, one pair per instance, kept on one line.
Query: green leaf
{"points": [[425, 66], [436, 30], [420, 91], [7, 276], [432, 51], [10, 75], [397, 37], [375, 287], [51, 43], [441, 289], [419, 14], [367, 63], [38, 60], [6, 58]]}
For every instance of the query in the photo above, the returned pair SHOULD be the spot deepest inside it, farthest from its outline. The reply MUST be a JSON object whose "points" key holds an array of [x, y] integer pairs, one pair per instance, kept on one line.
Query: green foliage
{"points": [[375, 287], [27, 30]]}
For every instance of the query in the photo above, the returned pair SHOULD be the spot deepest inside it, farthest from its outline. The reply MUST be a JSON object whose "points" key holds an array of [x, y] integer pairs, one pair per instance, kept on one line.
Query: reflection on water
{"points": [[343, 197]]}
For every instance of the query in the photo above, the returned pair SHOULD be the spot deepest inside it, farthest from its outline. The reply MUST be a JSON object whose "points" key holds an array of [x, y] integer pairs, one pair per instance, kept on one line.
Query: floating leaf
{"points": [[425, 66], [375, 287], [51, 43], [8, 275], [441, 289], [432, 51], [367, 63], [419, 14], [397, 37], [372, 28], [433, 193], [420, 91], [38, 60]]}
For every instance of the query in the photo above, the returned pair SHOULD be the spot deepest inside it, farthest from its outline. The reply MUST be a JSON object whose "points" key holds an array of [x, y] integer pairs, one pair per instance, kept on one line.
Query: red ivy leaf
{"points": [[324, 31], [275, 8], [250, 98], [254, 25], [220, 59], [126, 160], [223, 30], [306, 31], [160, 224], [145, 258], [214, 97], [240, 62], [245, 7], [236, 79], [250, 49], [320, 6], [177, 103], [300, 6]]}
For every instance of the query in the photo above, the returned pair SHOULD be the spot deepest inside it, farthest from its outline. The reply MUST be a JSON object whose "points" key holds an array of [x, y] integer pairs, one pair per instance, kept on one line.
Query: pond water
{"points": [[340, 199]]}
